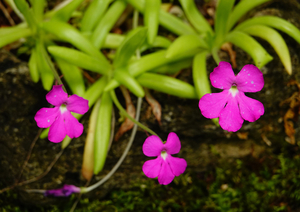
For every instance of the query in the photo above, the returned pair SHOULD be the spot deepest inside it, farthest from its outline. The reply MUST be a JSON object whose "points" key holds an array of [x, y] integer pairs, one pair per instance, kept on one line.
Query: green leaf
{"points": [[222, 13], [275, 22], [151, 19], [186, 44], [102, 134], [167, 20], [113, 41], [173, 67], [69, 34], [124, 78], [80, 59], [65, 12], [107, 22], [93, 14], [276, 41], [200, 78], [87, 169], [38, 9], [260, 56], [13, 34], [23, 7], [146, 63], [72, 75], [167, 85], [33, 68], [195, 17], [44, 66], [241, 9], [133, 40]]}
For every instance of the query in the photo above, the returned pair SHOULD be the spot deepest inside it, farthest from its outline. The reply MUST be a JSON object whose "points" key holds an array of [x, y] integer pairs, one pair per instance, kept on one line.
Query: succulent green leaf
{"points": [[133, 40], [107, 22], [173, 67], [167, 85], [23, 7], [200, 77], [186, 44], [87, 169], [151, 19], [38, 9], [13, 34], [195, 17], [80, 59], [113, 41], [102, 134], [72, 75], [276, 41], [65, 12], [146, 63], [275, 22], [167, 20], [43, 65], [69, 34], [93, 14], [260, 56], [33, 68], [222, 13], [241, 9], [124, 78]]}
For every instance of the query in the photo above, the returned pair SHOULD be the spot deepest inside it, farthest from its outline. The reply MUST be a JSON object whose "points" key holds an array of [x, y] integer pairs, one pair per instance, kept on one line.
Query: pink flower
{"points": [[231, 105], [65, 191], [59, 119], [165, 167]]}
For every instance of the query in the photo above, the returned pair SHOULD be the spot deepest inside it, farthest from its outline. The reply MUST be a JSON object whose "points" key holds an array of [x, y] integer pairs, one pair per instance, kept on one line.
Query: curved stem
{"points": [[123, 111], [114, 169]]}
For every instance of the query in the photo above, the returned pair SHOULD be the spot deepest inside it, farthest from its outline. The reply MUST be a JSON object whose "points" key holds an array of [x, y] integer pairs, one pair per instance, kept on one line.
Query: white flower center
{"points": [[63, 108], [164, 154], [233, 90]]}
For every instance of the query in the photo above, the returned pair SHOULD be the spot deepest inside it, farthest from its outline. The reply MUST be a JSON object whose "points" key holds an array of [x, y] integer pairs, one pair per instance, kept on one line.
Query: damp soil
{"points": [[203, 144]]}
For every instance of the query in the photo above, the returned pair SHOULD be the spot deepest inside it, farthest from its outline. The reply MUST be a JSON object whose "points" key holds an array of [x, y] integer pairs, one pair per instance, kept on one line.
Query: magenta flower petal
{"points": [[230, 118], [172, 146], [77, 104], [177, 165], [65, 191], [223, 76], [152, 146], [250, 79], [57, 96], [57, 130], [165, 175], [73, 128], [211, 104], [46, 116], [152, 168], [250, 109]]}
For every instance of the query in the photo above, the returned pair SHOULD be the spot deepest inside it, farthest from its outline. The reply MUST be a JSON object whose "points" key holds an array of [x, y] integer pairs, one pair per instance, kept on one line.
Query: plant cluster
{"points": [[142, 60]]}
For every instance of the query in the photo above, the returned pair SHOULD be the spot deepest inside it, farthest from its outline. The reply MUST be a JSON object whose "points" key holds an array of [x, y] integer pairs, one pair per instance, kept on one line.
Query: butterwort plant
{"points": [[231, 105], [59, 119], [165, 166]]}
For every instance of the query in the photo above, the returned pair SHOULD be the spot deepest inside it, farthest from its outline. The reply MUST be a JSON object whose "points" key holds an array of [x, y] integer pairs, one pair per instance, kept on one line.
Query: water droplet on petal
{"points": [[252, 82], [48, 120]]}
